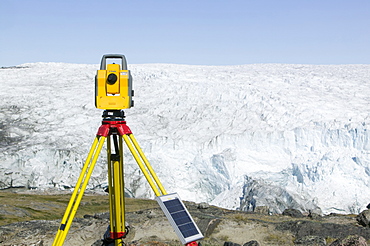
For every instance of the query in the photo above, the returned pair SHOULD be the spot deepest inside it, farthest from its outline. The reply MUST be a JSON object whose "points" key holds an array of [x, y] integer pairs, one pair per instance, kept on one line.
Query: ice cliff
{"points": [[288, 136]]}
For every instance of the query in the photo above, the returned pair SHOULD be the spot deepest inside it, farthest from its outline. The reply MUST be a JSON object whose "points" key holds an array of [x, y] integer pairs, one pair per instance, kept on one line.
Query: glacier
{"points": [[285, 135]]}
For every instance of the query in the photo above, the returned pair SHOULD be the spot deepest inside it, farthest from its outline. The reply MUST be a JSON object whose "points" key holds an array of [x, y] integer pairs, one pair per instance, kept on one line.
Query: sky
{"points": [[195, 32]]}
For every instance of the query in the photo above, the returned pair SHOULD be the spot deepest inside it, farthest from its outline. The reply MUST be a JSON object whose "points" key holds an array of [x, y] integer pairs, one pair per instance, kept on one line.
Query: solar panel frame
{"points": [[179, 218]]}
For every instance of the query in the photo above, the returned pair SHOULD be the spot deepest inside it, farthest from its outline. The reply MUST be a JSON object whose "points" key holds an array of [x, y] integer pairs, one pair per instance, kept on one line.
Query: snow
{"points": [[286, 135]]}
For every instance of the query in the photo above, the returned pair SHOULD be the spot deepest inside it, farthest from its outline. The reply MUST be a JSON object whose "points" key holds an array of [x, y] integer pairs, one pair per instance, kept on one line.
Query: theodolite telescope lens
{"points": [[112, 78]]}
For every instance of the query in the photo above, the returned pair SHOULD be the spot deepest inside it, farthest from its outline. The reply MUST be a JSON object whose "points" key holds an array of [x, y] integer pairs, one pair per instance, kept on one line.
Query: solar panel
{"points": [[179, 218]]}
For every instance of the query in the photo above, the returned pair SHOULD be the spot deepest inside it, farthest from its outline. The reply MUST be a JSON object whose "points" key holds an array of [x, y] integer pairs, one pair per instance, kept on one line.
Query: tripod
{"points": [[114, 129]]}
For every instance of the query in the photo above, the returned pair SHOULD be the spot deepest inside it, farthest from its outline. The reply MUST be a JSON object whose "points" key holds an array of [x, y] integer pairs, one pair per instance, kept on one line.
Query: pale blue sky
{"points": [[229, 32]]}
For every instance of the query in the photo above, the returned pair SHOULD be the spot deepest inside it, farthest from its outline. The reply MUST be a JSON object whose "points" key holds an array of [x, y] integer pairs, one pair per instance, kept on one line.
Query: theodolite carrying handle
{"points": [[103, 62]]}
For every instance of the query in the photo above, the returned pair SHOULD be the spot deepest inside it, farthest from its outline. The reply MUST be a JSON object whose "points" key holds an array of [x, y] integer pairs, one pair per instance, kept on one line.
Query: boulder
{"points": [[364, 218], [203, 205], [97, 243], [293, 213], [252, 243], [310, 240], [352, 240], [314, 215], [231, 244], [262, 210]]}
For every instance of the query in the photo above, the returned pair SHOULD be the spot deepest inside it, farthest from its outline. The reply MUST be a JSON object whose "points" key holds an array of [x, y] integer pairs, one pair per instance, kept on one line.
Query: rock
{"points": [[216, 224], [368, 206], [208, 225], [152, 214], [293, 213], [231, 244], [203, 205], [311, 241], [352, 240], [38, 243], [314, 216], [262, 210], [303, 228], [97, 243], [364, 218], [252, 243]]}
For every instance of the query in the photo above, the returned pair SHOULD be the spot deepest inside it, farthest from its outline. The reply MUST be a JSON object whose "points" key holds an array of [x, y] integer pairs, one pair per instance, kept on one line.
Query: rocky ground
{"points": [[148, 225]]}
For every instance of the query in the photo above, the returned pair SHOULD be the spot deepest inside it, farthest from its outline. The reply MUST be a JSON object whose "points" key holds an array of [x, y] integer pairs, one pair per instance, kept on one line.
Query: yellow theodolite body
{"points": [[113, 86]]}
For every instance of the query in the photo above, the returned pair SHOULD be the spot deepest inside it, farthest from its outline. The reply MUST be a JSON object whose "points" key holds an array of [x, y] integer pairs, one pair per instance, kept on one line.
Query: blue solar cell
{"points": [[179, 217], [188, 230], [174, 205]]}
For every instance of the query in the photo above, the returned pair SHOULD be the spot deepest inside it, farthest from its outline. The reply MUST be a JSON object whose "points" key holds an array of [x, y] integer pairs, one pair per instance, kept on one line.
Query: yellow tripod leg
{"points": [[137, 156], [110, 183], [116, 193], [118, 223], [120, 189], [79, 191], [147, 164]]}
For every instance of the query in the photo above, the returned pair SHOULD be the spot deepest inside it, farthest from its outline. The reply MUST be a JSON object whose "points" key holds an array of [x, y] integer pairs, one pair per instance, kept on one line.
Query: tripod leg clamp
{"points": [[110, 236]]}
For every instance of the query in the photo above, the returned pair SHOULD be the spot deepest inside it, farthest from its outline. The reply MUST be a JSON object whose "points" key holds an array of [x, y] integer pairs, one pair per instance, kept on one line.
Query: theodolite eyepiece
{"points": [[112, 78]]}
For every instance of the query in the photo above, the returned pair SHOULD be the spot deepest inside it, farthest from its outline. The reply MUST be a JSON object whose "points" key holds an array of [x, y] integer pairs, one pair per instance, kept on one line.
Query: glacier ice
{"points": [[290, 136]]}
